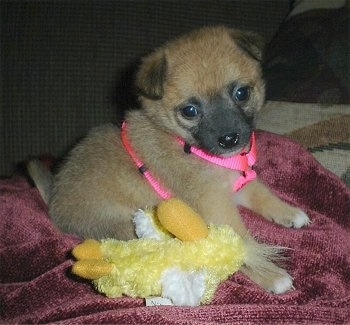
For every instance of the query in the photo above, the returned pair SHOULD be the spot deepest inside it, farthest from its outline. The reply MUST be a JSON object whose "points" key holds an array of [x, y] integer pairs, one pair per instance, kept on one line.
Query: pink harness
{"points": [[242, 162]]}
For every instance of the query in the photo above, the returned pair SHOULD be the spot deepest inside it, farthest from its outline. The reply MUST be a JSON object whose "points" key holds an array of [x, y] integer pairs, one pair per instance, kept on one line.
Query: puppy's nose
{"points": [[229, 140]]}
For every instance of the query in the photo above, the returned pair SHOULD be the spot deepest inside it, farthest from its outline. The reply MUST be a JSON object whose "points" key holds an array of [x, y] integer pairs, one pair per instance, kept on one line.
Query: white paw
{"points": [[300, 220], [183, 288], [281, 285]]}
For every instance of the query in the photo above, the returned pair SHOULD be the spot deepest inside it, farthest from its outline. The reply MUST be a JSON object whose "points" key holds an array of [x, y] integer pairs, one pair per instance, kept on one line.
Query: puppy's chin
{"points": [[225, 153], [214, 148]]}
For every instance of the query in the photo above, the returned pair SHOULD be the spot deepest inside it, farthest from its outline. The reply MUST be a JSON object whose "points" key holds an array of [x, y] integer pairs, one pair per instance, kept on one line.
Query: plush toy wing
{"points": [[180, 220]]}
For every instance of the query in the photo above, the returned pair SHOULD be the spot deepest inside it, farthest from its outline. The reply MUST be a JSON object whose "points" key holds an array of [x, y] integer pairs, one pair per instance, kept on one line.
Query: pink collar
{"points": [[242, 162]]}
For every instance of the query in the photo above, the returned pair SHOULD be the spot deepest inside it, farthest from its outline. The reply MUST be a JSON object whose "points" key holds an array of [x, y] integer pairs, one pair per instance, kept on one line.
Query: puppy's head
{"points": [[205, 87]]}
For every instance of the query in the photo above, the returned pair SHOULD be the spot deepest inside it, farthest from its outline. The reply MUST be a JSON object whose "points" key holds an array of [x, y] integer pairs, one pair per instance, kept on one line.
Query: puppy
{"points": [[205, 89]]}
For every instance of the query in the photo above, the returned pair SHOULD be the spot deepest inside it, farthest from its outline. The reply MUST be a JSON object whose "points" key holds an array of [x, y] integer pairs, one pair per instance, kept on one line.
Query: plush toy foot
{"points": [[88, 249], [90, 263], [92, 269]]}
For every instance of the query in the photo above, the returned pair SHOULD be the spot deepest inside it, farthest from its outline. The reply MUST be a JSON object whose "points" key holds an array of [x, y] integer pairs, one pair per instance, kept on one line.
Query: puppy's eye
{"points": [[242, 94], [190, 111]]}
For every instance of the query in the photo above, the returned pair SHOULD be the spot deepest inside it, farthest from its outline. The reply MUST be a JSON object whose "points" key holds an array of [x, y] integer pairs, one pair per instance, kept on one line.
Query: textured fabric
{"points": [[323, 130], [37, 287]]}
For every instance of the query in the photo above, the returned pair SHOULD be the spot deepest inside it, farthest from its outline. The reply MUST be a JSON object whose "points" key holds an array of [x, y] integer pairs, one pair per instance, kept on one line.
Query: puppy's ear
{"points": [[151, 75], [250, 42]]}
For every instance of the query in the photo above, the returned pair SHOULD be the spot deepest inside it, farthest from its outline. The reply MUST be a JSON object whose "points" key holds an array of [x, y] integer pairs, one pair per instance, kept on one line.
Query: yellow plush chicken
{"points": [[177, 256]]}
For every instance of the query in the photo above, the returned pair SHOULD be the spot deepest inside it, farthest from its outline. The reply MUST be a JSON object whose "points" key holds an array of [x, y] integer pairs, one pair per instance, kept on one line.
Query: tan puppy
{"points": [[205, 88]]}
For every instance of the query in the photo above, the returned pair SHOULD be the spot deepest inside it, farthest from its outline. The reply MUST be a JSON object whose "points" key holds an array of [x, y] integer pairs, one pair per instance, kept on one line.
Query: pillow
{"points": [[308, 59]]}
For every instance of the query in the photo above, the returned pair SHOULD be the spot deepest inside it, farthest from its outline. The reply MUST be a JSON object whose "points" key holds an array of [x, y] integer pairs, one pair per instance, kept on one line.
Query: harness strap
{"points": [[243, 162], [162, 192]]}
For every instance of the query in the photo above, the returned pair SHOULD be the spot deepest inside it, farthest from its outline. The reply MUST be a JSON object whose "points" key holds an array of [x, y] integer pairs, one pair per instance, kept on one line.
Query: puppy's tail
{"points": [[42, 178]]}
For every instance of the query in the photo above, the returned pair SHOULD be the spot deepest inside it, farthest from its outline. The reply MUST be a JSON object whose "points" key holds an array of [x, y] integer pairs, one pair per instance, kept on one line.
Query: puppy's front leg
{"points": [[259, 263], [220, 209], [260, 199], [260, 266]]}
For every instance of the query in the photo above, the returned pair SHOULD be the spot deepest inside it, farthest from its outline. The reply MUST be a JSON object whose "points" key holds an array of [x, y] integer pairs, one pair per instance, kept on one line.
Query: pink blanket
{"points": [[36, 285]]}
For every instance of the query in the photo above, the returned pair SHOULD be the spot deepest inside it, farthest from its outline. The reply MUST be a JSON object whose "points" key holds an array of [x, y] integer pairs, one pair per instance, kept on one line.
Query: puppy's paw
{"points": [[281, 284], [292, 218], [260, 267], [261, 200], [273, 279], [300, 219]]}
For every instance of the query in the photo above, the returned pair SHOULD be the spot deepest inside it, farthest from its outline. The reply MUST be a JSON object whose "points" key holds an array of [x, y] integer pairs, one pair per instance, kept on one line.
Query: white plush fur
{"points": [[183, 288], [144, 227]]}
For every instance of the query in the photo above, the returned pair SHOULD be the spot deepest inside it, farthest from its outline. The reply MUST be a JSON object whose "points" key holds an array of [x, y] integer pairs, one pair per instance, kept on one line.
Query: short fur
{"points": [[214, 73]]}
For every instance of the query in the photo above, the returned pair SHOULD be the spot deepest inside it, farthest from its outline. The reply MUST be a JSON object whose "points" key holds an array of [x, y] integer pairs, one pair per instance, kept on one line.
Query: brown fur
{"points": [[98, 188]]}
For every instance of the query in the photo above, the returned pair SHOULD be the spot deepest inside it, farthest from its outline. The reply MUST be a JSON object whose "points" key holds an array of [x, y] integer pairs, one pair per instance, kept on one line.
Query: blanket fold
{"points": [[36, 285]]}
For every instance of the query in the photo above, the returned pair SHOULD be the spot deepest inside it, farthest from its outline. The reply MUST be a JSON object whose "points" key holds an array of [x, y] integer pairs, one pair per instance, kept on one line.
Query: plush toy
{"points": [[186, 268]]}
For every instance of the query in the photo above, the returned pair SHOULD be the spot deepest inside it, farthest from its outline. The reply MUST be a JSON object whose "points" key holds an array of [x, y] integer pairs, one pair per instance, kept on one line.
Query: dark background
{"points": [[66, 65]]}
